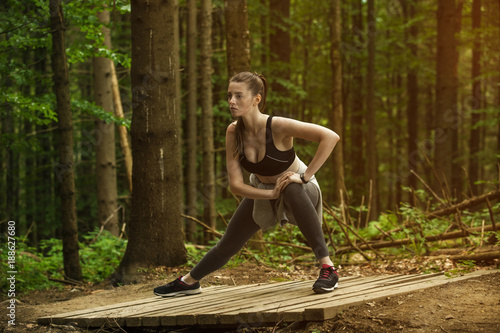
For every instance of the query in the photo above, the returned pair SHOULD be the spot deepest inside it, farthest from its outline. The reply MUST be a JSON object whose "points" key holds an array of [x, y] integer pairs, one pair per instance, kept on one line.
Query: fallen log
{"points": [[465, 204], [401, 242], [484, 256]]}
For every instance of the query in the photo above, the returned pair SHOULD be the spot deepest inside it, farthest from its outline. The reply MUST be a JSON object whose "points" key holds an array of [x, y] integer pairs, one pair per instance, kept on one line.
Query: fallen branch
{"points": [[465, 204], [401, 242], [484, 256], [68, 281]]}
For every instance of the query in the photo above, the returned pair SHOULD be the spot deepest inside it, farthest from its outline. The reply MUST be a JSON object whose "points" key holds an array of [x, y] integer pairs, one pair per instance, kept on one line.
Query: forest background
{"points": [[412, 87]]}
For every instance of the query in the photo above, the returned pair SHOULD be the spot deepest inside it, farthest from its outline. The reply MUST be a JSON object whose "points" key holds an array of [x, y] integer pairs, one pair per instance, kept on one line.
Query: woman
{"points": [[282, 187]]}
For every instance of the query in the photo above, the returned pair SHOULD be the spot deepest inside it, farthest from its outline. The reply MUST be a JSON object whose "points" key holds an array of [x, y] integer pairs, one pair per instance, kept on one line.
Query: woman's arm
{"points": [[289, 128], [235, 174]]}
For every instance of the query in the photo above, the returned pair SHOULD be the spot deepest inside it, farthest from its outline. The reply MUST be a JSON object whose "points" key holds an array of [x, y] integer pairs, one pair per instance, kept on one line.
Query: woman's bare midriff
{"points": [[272, 179]]}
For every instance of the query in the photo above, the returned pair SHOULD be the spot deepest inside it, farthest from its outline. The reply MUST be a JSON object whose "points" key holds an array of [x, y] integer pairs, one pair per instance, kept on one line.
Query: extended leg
{"points": [[240, 229]]}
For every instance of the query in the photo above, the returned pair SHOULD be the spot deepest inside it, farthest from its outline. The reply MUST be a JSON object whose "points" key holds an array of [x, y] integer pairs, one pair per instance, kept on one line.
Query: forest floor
{"points": [[471, 305]]}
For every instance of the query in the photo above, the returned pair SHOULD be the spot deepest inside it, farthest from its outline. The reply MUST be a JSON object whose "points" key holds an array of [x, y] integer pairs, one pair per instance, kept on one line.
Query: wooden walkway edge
{"points": [[252, 305]]}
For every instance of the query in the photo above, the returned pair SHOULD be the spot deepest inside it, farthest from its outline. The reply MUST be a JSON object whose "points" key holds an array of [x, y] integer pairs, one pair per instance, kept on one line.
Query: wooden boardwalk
{"points": [[251, 305]]}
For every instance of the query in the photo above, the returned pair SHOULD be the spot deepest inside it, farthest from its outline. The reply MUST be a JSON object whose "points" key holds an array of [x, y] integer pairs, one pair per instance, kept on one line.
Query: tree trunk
{"points": [[280, 48], [371, 146], [155, 227], [124, 142], [446, 92], [191, 124], [65, 168], [336, 116], [237, 36], [107, 195], [207, 117], [357, 113], [474, 140], [412, 105]]}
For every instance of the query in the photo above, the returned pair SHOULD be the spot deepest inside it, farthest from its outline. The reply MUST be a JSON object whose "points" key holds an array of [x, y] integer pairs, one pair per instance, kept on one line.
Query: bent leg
{"points": [[240, 229], [303, 209]]}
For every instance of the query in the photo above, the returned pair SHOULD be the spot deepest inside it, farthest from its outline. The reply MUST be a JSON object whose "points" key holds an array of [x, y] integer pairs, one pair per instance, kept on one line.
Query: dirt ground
{"points": [[472, 305]]}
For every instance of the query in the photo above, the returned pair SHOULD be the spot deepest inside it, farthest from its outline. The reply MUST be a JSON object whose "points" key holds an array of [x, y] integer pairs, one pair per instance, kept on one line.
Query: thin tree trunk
{"points": [[107, 194], [191, 124], [155, 227], [280, 48], [237, 36], [498, 100], [446, 91], [474, 140], [122, 130], [357, 113], [65, 168], [337, 114], [398, 142], [371, 146], [207, 117], [412, 105]]}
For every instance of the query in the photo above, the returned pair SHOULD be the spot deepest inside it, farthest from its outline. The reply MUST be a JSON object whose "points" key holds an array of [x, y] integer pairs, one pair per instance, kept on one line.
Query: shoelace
{"points": [[325, 273]]}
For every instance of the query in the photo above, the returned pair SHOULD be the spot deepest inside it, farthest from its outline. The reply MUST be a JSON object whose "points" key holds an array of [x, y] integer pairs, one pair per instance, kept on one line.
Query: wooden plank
{"points": [[282, 306], [173, 313], [258, 304], [112, 311], [318, 312]]}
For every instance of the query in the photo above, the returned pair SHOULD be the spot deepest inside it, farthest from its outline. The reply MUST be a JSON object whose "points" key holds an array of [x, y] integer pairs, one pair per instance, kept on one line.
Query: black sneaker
{"points": [[177, 287], [328, 280]]}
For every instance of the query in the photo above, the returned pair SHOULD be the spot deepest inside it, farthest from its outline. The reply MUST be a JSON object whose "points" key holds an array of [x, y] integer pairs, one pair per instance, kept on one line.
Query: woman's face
{"points": [[240, 99]]}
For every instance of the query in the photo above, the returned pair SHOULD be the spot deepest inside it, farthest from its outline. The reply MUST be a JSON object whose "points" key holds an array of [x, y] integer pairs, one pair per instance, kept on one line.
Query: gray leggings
{"points": [[242, 227]]}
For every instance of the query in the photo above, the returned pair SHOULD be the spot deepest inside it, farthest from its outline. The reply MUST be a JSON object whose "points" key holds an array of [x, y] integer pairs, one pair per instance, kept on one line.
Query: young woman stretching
{"points": [[283, 189]]}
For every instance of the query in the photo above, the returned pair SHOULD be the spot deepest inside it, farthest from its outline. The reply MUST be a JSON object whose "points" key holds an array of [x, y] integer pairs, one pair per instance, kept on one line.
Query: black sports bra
{"points": [[274, 162]]}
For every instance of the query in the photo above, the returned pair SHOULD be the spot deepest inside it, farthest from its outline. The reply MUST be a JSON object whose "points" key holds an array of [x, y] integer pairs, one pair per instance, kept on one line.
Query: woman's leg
{"points": [[303, 209], [302, 205], [240, 229]]}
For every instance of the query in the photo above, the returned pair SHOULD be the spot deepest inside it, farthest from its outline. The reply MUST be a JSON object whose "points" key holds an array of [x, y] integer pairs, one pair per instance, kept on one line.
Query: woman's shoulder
{"points": [[231, 128], [280, 123]]}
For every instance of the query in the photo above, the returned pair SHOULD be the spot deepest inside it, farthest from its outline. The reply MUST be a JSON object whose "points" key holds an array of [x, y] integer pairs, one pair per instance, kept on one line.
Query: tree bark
{"points": [[446, 93], [280, 48], [191, 124], [337, 114], [207, 116], [237, 36], [65, 168], [371, 141], [107, 194], [155, 227], [474, 140]]}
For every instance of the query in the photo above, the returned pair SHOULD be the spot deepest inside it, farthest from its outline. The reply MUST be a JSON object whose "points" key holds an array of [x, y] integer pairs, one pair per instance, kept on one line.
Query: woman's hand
{"points": [[283, 181], [295, 178]]}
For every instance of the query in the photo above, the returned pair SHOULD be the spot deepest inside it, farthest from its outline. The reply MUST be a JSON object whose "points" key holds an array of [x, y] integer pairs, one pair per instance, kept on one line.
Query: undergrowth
{"points": [[100, 254]]}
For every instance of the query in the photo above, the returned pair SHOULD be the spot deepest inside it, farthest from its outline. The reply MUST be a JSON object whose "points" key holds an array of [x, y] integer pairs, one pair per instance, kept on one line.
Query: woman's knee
{"points": [[293, 191]]}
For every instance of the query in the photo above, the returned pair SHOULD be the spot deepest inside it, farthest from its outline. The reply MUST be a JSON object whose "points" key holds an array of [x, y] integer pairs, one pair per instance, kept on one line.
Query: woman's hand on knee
{"points": [[281, 183]]}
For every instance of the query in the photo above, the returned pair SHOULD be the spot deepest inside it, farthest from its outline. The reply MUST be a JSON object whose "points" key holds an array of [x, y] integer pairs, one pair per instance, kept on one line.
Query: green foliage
{"points": [[91, 109], [100, 254], [463, 267]]}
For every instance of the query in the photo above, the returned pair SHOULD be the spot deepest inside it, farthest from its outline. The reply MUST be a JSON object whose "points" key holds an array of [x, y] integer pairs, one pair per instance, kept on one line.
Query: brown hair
{"points": [[257, 84]]}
